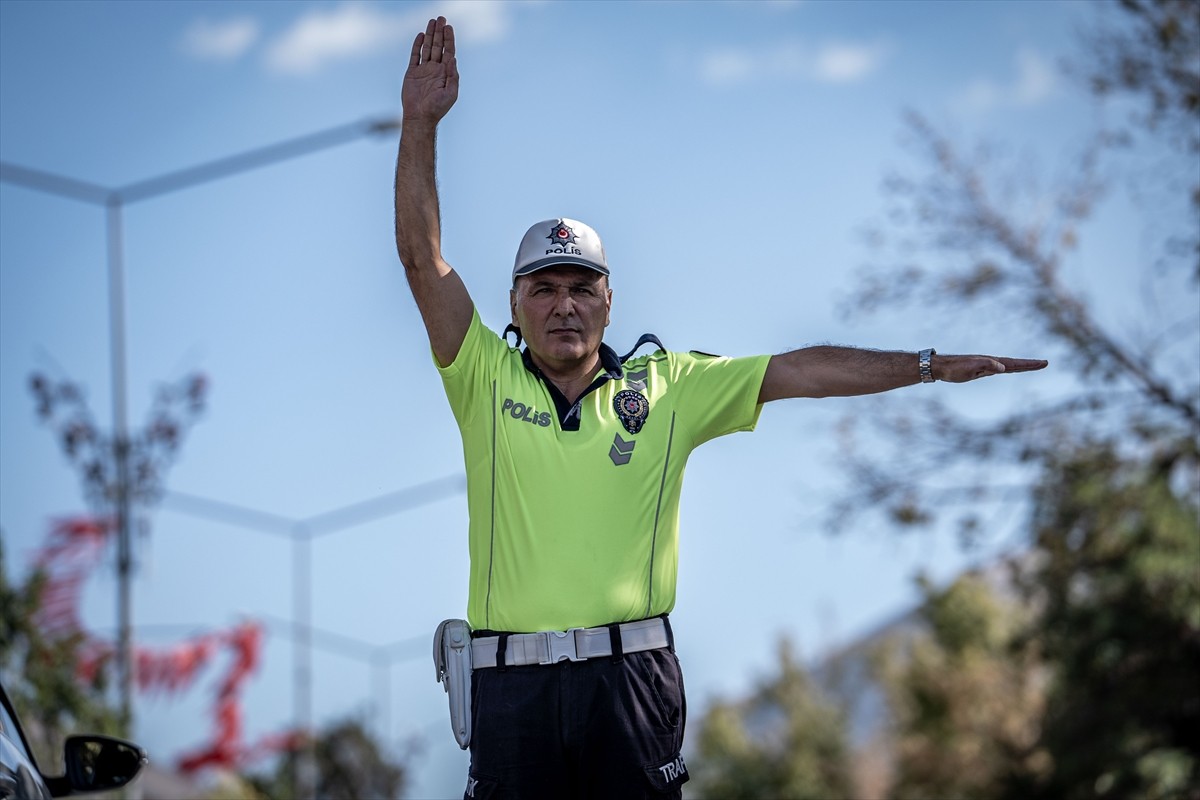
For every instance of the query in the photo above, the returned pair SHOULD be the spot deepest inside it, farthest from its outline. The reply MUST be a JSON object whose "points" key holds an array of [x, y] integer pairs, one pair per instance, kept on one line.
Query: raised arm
{"points": [[430, 89], [827, 371]]}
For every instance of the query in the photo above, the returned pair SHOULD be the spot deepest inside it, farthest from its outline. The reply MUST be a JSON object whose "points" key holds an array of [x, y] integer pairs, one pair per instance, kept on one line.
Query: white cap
{"points": [[560, 241]]}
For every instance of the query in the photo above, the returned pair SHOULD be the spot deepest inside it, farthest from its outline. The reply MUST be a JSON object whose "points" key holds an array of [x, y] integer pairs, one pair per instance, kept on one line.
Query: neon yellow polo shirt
{"points": [[578, 528]]}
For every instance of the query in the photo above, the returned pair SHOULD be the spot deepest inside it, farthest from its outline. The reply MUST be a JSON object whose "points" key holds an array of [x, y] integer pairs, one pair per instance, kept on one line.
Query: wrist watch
{"points": [[925, 362]]}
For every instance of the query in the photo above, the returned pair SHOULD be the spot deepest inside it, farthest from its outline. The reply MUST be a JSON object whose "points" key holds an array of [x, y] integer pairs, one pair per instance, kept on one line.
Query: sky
{"points": [[730, 155]]}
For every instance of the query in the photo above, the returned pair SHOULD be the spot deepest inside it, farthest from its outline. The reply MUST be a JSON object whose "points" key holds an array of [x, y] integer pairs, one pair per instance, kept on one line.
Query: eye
{"points": [[585, 290]]}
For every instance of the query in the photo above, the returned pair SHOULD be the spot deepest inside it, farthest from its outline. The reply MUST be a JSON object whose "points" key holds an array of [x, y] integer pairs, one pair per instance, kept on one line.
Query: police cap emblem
{"points": [[561, 235], [633, 408]]}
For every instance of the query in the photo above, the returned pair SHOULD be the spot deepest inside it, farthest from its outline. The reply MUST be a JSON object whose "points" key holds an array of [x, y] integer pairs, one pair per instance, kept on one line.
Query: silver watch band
{"points": [[925, 363]]}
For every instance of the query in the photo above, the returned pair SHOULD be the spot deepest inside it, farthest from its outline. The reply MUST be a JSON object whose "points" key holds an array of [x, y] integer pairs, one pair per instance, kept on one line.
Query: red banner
{"points": [[72, 551], [226, 749]]}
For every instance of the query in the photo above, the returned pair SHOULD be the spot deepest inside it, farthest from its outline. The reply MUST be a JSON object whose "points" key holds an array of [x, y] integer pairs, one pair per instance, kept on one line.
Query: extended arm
{"points": [[430, 89], [828, 371]]}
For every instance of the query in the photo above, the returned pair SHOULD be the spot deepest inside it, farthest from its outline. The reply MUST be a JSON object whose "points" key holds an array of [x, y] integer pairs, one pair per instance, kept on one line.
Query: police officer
{"points": [[574, 459]]}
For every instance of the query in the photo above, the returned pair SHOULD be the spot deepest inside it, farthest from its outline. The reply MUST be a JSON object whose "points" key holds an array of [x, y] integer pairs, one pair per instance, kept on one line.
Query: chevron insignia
{"points": [[621, 451]]}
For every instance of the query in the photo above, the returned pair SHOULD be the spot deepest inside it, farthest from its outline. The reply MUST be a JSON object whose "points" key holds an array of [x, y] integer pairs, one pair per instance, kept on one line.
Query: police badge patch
{"points": [[633, 408]]}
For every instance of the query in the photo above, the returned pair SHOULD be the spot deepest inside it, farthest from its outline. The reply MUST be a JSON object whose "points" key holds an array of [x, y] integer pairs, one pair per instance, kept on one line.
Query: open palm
{"points": [[431, 81]]}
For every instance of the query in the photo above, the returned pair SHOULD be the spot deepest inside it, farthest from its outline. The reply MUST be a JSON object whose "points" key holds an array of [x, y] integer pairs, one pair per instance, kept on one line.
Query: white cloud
{"points": [[346, 31], [841, 63], [220, 41], [356, 30], [1035, 81], [476, 20], [980, 95], [724, 67], [829, 63]]}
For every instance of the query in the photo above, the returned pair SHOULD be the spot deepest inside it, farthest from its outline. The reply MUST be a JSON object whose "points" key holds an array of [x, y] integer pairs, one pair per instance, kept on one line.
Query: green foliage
{"points": [[39, 674], [1082, 683], [348, 764], [1087, 687], [1118, 588], [965, 704], [785, 740]]}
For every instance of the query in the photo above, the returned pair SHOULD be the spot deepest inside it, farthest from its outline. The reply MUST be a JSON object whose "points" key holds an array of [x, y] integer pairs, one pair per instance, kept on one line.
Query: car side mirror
{"points": [[99, 763]]}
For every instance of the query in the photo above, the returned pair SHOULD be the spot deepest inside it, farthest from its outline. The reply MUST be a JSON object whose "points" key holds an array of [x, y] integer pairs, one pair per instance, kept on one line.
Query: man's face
{"points": [[562, 313]]}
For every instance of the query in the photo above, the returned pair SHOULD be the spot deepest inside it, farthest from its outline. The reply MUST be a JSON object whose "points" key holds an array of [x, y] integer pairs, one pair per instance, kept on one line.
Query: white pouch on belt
{"points": [[452, 663]]}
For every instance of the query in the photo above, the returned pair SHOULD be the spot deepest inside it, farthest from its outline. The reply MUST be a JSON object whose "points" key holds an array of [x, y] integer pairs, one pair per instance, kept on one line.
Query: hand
{"points": [[431, 81], [960, 369]]}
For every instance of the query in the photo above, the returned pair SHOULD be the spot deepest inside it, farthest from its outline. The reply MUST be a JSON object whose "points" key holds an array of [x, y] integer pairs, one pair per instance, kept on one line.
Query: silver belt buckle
{"points": [[560, 646]]}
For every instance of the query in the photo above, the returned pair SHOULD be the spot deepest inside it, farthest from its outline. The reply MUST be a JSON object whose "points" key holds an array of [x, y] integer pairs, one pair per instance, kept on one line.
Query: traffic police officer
{"points": [[574, 459]]}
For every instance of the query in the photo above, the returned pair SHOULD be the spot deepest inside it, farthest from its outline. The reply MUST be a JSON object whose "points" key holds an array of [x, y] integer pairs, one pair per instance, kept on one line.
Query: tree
{"points": [[965, 698], [40, 676], [1077, 680], [1108, 467], [966, 241], [784, 740], [1118, 598], [1154, 60], [349, 764]]}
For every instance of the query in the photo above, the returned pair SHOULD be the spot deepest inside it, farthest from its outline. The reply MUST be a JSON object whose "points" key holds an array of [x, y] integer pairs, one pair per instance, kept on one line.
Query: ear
{"points": [[607, 307], [512, 304]]}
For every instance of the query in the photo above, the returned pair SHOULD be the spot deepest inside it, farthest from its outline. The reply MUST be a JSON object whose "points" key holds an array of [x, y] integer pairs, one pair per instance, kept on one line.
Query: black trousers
{"points": [[588, 729]]}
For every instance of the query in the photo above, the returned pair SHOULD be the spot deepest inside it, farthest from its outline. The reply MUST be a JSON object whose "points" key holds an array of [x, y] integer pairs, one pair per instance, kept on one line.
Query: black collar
{"points": [[610, 362], [568, 413]]}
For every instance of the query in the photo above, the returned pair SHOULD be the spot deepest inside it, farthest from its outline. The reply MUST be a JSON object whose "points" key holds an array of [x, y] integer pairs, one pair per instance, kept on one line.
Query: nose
{"points": [[564, 303]]}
